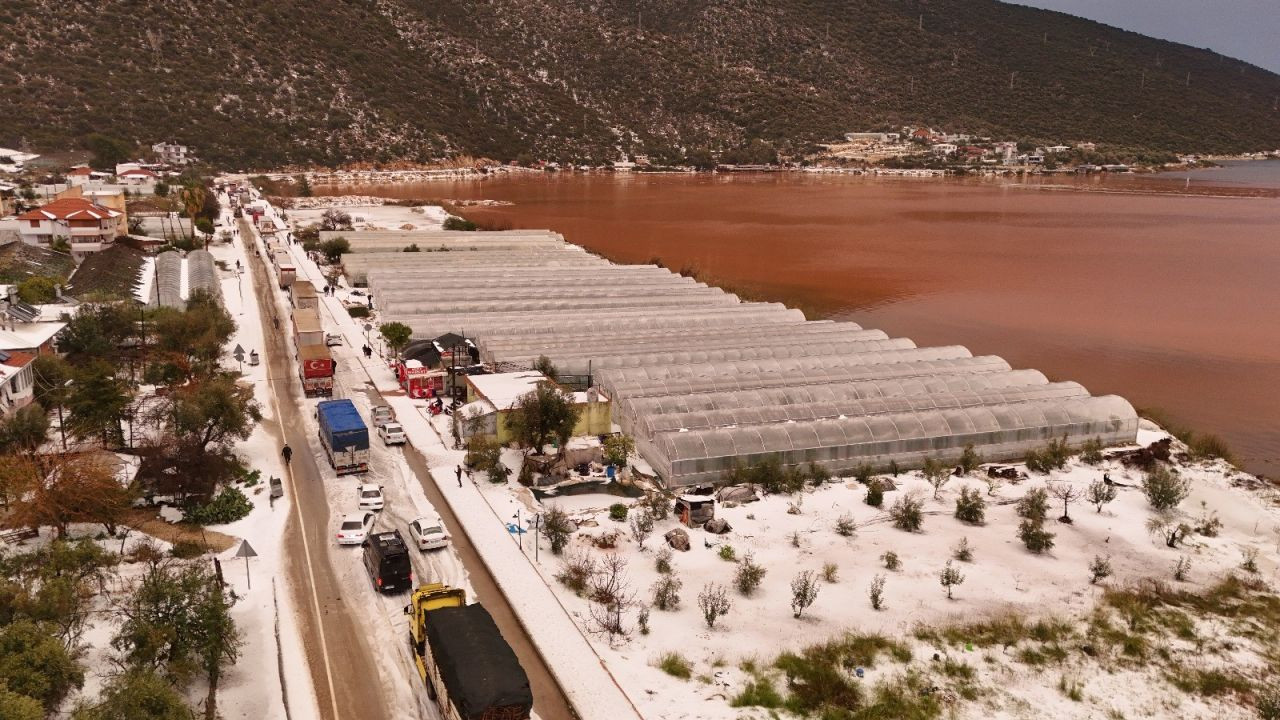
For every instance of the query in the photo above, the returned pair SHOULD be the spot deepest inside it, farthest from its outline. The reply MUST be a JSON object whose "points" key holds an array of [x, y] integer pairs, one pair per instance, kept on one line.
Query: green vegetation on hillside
{"points": [[329, 82]]}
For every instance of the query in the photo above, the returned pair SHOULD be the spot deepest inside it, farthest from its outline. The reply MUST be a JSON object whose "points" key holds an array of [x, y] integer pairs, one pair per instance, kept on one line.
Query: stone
{"points": [[678, 539], [717, 526]]}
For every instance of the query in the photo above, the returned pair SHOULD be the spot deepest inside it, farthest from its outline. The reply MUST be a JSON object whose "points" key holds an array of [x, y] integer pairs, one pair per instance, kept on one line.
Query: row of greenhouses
{"points": [[707, 382]]}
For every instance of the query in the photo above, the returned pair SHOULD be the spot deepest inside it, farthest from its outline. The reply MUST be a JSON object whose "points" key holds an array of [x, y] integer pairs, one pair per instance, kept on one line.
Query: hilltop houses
{"points": [[171, 153]]}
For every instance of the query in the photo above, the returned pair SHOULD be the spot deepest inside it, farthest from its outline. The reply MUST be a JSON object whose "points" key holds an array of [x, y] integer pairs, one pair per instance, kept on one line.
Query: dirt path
{"points": [[341, 664], [549, 701]]}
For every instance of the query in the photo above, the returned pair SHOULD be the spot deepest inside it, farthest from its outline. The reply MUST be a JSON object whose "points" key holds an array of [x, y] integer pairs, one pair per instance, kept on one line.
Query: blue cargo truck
{"points": [[344, 436]]}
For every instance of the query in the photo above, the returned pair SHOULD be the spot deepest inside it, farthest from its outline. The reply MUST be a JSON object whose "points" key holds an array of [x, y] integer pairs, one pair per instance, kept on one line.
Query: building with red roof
{"points": [[87, 226]]}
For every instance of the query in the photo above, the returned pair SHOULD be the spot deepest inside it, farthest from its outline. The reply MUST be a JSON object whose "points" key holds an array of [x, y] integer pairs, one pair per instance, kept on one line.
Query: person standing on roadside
{"points": [[459, 472], [287, 453]]}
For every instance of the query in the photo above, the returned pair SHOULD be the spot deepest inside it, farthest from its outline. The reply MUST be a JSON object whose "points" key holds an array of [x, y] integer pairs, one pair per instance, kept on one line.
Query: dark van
{"points": [[386, 557]]}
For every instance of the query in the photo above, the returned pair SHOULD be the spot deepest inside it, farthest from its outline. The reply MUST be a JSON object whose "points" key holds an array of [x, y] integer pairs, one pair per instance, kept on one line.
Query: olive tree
{"points": [[544, 414]]}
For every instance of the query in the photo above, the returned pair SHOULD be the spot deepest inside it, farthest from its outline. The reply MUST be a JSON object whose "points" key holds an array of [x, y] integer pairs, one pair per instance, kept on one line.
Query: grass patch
{"points": [[1073, 689], [902, 698], [1002, 631], [1209, 683], [758, 693], [675, 665]]}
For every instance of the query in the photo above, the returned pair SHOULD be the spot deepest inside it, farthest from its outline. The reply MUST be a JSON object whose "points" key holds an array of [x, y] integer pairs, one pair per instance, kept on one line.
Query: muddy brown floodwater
{"points": [[1159, 289]]}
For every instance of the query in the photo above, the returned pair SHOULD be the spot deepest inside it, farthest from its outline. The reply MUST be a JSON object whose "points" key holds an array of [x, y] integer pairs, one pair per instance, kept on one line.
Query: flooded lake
{"points": [[1160, 288]]}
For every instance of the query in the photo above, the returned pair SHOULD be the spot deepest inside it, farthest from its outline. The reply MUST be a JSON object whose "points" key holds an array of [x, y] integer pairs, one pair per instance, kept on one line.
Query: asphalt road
{"points": [[346, 682], [345, 674]]}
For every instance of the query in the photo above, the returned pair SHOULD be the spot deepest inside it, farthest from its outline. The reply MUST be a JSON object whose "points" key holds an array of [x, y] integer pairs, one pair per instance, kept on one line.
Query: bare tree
{"points": [[1066, 492], [611, 595], [804, 590], [937, 474], [713, 601], [666, 592]]}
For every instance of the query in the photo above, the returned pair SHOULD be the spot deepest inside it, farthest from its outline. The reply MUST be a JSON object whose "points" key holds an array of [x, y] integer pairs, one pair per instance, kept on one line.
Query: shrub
{"points": [[618, 512], [726, 552], [641, 526], [1209, 525], [804, 590], [819, 474], [758, 693], [1269, 704], [1099, 568], [969, 459], [862, 473], [748, 575], [950, 577], [875, 494], [1091, 451], [666, 592], [576, 571], [971, 507], [890, 560], [556, 528], [876, 592], [185, 550], [713, 601], [1034, 505], [830, 573], [1100, 493], [907, 513], [617, 448], [657, 505], [358, 311], [663, 561], [1164, 488], [642, 620], [963, 551], [936, 474], [845, 526], [227, 506], [675, 665], [1182, 569], [1034, 536], [1053, 456], [893, 468], [1250, 563]]}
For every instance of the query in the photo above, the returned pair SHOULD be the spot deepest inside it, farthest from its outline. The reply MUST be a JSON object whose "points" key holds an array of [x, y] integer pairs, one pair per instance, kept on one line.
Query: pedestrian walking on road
{"points": [[368, 351], [459, 476], [286, 452]]}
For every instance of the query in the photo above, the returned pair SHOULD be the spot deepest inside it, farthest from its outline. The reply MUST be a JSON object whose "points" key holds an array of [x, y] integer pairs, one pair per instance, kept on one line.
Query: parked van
{"points": [[386, 557]]}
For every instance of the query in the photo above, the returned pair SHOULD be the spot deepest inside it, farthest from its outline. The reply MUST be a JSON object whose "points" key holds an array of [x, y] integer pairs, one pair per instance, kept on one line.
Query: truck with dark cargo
{"points": [[344, 436], [469, 669]]}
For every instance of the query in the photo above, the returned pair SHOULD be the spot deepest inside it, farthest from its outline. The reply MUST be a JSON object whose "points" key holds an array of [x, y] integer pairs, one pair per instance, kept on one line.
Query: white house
{"points": [[944, 149], [17, 382], [137, 176], [171, 153], [87, 226]]}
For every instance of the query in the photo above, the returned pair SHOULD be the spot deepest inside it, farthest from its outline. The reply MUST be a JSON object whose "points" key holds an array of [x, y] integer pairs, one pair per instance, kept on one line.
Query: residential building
{"points": [[490, 398], [1057, 148], [108, 197], [8, 199], [17, 381], [944, 149], [80, 175], [171, 153], [85, 225], [137, 176]]}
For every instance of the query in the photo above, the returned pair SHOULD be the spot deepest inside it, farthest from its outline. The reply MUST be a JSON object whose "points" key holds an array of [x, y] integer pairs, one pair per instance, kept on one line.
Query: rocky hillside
{"points": [[260, 84]]}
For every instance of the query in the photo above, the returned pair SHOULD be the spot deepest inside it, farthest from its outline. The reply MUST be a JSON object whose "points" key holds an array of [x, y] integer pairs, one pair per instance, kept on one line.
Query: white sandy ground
{"points": [[1002, 577], [379, 217]]}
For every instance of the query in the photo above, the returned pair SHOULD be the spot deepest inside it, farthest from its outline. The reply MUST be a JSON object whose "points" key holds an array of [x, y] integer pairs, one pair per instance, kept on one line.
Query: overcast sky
{"points": [[1244, 29]]}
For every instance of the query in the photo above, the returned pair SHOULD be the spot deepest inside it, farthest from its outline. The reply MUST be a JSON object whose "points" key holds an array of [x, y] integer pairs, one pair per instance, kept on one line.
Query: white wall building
{"points": [[87, 226], [171, 153]]}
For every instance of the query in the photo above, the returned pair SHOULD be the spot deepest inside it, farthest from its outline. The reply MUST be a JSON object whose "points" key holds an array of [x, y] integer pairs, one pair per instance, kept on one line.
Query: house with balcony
{"points": [[17, 381], [85, 225], [171, 153]]}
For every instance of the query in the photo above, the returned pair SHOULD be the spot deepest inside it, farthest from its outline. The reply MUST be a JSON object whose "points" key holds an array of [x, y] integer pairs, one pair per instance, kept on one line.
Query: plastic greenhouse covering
{"points": [[632, 408], [653, 424], [745, 381], [794, 367], [840, 444], [639, 339], [626, 351], [549, 290], [391, 279], [468, 236], [462, 304], [168, 281], [201, 274], [603, 361], [508, 323]]}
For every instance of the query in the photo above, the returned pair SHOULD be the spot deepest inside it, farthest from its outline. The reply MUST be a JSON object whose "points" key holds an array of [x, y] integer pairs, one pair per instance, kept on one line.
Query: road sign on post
{"points": [[246, 551]]}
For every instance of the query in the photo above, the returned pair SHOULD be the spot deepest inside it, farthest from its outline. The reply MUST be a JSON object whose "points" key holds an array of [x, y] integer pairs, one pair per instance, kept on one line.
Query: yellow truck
{"points": [[469, 669]]}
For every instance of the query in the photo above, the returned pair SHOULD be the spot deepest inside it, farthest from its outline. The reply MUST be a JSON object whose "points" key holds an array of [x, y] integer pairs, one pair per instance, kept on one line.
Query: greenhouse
{"points": [[642, 338], [582, 363], [1002, 432], [201, 274], [797, 366], [493, 291], [387, 280], [460, 304], [624, 346], [654, 424], [629, 411], [168, 280], [622, 390], [478, 325]]}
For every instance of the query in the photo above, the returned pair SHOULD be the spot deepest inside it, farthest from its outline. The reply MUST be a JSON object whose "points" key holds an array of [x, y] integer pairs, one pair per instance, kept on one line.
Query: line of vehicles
{"points": [[468, 668]]}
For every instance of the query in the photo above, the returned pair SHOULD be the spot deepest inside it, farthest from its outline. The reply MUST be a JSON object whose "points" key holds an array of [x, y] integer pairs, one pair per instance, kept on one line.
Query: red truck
{"points": [[315, 368]]}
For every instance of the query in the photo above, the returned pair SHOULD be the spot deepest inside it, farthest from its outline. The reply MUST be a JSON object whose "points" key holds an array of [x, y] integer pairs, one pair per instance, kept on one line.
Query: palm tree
{"points": [[192, 197]]}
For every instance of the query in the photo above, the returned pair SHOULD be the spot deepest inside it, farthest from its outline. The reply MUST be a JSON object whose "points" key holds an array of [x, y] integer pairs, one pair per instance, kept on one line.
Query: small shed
{"points": [[695, 510]]}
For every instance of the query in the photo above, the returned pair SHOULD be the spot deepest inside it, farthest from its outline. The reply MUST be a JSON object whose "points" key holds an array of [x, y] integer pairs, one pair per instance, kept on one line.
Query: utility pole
{"points": [[1012, 75], [1188, 79], [1143, 85]]}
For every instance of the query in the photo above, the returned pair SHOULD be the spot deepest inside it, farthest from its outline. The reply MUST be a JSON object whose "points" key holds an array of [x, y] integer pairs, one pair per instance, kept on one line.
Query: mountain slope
{"points": [[328, 81]]}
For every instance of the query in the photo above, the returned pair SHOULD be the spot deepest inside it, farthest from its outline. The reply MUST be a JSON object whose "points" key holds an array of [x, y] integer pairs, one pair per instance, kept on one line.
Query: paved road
{"points": [[344, 661], [342, 671]]}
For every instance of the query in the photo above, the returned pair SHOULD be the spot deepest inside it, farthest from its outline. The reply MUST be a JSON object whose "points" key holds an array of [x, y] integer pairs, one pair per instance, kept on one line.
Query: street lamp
{"points": [[519, 530]]}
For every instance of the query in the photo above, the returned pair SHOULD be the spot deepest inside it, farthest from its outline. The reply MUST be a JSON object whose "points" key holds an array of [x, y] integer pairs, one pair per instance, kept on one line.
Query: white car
{"points": [[370, 496], [392, 434], [428, 533], [332, 339], [381, 415], [355, 528]]}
